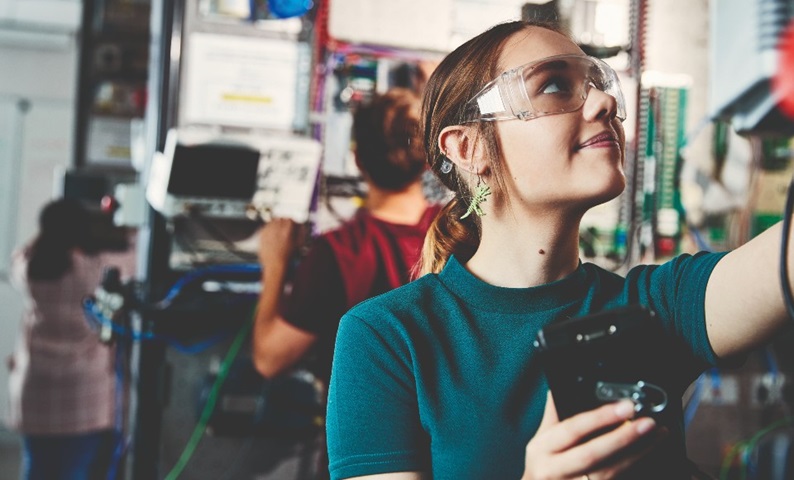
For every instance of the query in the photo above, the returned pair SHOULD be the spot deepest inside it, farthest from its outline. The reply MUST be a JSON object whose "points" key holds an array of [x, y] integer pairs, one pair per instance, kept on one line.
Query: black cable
{"points": [[788, 297], [217, 234]]}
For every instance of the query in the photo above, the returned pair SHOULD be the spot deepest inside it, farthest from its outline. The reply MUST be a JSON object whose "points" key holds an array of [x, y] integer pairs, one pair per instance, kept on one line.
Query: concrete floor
{"points": [[295, 462]]}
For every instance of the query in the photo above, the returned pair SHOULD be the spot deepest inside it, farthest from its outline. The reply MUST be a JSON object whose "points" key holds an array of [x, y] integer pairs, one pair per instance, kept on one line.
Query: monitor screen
{"points": [[214, 171]]}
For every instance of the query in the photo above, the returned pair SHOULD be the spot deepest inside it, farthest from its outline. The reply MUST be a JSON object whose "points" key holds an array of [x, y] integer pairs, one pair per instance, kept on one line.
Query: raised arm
{"points": [[277, 345], [744, 300]]}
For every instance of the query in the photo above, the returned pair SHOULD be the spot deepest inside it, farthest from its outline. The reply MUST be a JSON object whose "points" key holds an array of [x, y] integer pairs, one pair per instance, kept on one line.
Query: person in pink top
{"points": [[62, 380]]}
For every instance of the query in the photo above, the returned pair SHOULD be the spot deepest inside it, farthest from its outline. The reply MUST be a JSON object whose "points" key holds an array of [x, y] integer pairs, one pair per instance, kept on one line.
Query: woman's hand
{"points": [[557, 450]]}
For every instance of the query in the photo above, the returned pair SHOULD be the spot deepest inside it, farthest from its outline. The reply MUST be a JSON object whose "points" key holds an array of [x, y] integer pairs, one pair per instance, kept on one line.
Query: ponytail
{"points": [[449, 235]]}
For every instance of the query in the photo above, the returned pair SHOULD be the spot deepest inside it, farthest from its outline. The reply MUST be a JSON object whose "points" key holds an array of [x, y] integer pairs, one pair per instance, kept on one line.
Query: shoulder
{"points": [[667, 285], [386, 329], [350, 234], [404, 304], [405, 296], [680, 264], [319, 264], [680, 267]]}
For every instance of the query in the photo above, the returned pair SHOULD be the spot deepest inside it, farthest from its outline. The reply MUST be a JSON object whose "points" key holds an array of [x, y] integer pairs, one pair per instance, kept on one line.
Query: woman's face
{"points": [[570, 160]]}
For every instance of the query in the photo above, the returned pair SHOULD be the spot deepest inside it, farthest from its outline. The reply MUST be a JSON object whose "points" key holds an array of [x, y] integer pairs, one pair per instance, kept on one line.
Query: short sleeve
{"points": [[676, 291], [316, 300], [373, 423]]}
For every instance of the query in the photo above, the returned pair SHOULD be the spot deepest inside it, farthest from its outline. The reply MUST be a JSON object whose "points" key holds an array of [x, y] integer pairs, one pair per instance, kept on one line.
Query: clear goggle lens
{"points": [[550, 86]]}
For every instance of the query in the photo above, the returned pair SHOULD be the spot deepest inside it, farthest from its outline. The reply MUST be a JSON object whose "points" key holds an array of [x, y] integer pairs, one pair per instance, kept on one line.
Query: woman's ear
{"points": [[460, 144]]}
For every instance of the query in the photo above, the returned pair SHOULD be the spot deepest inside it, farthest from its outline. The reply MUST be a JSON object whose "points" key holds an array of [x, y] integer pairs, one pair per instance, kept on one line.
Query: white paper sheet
{"points": [[240, 81]]}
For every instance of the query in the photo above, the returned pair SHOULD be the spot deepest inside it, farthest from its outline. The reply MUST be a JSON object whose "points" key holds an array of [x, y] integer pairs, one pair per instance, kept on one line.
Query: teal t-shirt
{"points": [[440, 375]]}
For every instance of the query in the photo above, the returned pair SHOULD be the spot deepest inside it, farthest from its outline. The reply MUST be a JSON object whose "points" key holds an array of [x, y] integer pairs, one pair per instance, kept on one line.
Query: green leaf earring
{"points": [[483, 190]]}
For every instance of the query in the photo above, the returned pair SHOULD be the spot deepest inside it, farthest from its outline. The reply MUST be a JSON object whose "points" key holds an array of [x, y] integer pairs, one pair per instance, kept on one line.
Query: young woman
{"points": [[439, 379]]}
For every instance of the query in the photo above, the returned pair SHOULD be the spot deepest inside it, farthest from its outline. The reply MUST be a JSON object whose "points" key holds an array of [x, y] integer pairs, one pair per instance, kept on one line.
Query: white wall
{"points": [[678, 43], [37, 93]]}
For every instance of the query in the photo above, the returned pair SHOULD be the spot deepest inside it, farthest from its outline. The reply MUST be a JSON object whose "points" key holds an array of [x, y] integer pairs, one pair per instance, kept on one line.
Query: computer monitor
{"points": [[206, 175], [214, 171]]}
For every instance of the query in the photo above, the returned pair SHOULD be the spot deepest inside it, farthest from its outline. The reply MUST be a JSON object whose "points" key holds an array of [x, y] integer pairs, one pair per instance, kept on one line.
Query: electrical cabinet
{"points": [[112, 79]]}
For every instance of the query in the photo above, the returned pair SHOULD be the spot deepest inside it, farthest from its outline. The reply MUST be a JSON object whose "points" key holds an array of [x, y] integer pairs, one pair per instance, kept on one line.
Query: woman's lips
{"points": [[602, 140]]}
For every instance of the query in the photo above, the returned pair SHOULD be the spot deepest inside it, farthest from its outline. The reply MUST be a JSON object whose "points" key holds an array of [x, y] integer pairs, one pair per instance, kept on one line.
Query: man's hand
{"points": [[278, 240]]}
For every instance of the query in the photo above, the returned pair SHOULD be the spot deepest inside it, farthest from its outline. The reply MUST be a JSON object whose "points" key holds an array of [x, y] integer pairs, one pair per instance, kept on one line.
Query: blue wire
{"points": [[89, 307], [694, 402], [203, 272], [771, 363], [91, 312], [699, 240], [715, 379], [118, 452], [197, 347]]}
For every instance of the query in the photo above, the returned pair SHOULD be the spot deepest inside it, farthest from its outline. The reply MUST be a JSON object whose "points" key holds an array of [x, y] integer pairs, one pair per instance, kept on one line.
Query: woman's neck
{"points": [[526, 253], [403, 207]]}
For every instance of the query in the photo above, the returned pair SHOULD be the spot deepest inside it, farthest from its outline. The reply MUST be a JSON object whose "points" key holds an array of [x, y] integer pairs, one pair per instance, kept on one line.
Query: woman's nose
{"points": [[599, 105]]}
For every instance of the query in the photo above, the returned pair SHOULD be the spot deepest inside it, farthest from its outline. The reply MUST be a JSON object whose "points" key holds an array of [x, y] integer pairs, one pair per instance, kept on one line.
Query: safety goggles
{"points": [[549, 86]]}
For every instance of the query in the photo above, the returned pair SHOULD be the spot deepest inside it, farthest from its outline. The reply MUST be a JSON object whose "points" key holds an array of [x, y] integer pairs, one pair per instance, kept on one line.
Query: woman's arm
{"points": [[744, 300], [18, 270]]}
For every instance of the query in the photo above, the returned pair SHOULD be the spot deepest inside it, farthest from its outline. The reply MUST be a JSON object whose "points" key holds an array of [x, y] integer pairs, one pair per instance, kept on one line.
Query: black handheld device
{"points": [[600, 358]]}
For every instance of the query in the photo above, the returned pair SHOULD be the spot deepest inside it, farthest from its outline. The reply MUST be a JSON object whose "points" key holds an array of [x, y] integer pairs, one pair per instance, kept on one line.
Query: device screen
{"points": [[214, 171]]}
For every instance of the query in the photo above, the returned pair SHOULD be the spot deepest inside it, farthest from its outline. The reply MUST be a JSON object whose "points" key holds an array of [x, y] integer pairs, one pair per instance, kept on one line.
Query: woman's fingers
{"points": [[598, 440], [572, 431], [594, 453], [549, 414], [625, 462]]}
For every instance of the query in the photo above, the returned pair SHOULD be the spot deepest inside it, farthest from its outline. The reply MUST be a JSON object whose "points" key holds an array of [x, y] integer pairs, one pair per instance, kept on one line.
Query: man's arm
{"points": [[277, 345]]}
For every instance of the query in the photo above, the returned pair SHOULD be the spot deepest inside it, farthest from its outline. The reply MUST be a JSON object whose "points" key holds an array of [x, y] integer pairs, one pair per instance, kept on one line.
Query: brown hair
{"points": [[457, 79], [388, 146], [64, 225], [68, 224]]}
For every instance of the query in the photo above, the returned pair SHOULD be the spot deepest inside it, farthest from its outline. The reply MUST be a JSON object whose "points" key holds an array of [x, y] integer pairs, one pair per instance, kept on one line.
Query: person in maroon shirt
{"points": [[371, 253]]}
